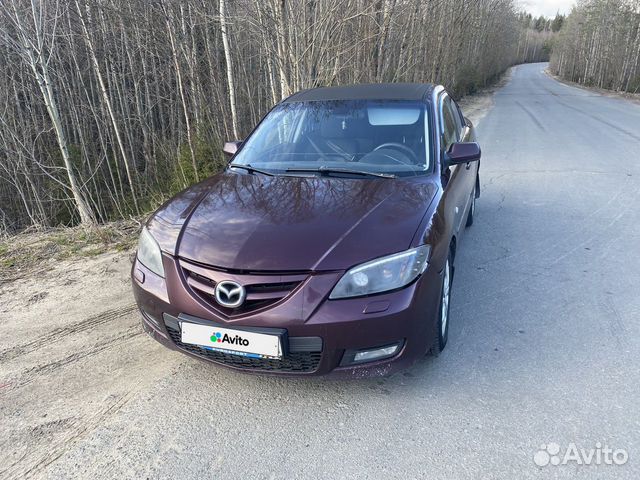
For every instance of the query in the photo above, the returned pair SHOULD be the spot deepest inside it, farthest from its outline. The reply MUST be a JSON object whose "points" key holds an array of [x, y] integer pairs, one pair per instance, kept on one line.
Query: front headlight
{"points": [[383, 274], [149, 253]]}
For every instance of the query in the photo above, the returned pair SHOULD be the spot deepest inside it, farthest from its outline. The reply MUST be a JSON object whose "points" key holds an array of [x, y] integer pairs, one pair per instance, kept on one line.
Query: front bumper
{"points": [[323, 334]]}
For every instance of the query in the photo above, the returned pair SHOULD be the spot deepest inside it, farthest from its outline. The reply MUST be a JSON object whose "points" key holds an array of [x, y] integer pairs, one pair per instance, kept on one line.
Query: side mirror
{"points": [[463, 152], [230, 148]]}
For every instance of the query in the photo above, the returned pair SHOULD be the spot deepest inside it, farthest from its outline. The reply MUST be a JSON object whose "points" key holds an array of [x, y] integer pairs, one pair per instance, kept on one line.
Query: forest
{"points": [[108, 107], [599, 45]]}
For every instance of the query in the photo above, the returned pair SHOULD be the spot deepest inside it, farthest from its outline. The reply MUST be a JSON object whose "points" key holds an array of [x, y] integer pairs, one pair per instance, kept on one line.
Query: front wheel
{"points": [[443, 312]]}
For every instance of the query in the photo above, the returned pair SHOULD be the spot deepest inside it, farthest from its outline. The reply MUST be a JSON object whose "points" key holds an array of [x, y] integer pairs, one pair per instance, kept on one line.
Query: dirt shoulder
{"points": [[30, 253], [476, 106], [72, 351], [72, 354], [634, 97]]}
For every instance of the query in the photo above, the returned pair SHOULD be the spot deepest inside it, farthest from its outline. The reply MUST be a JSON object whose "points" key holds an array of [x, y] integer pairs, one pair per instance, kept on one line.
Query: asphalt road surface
{"points": [[544, 346]]}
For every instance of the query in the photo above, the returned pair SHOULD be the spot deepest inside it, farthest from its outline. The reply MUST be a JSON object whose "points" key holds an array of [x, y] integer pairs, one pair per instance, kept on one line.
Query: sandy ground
{"points": [[72, 353]]}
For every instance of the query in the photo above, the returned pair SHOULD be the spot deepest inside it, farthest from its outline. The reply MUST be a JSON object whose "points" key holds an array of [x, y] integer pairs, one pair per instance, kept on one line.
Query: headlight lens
{"points": [[149, 253], [383, 274]]}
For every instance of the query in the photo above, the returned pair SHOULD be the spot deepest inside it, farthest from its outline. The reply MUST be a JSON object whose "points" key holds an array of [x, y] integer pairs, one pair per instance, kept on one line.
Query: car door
{"points": [[457, 179], [467, 134]]}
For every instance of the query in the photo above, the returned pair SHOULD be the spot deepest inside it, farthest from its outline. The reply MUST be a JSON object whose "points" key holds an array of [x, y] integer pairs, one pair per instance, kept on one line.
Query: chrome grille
{"points": [[263, 290]]}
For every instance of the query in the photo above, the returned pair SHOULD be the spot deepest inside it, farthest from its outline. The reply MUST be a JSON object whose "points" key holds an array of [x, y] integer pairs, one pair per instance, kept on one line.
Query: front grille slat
{"points": [[275, 295], [203, 287], [293, 362]]}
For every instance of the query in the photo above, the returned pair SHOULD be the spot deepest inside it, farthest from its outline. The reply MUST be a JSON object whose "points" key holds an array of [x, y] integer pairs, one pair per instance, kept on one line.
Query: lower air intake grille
{"points": [[294, 362]]}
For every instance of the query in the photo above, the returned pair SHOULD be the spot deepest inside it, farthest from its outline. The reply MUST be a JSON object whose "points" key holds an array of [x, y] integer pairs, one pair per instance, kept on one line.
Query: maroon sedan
{"points": [[328, 242]]}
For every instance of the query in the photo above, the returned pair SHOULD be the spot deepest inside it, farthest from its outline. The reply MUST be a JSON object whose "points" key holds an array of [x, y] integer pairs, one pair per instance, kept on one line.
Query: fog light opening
{"points": [[352, 357], [369, 355]]}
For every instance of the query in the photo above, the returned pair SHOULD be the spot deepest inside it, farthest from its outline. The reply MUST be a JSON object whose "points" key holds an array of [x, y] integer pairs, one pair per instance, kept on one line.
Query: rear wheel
{"points": [[472, 209]]}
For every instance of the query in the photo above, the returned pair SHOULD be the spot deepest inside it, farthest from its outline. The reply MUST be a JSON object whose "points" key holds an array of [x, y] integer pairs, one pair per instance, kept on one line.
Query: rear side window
{"points": [[460, 116], [451, 125]]}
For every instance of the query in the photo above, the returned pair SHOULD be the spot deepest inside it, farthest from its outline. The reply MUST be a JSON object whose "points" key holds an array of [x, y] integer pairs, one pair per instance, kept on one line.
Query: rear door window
{"points": [[450, 123]]}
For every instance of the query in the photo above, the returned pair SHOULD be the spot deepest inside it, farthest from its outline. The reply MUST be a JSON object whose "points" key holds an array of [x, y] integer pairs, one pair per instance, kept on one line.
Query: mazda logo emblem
{"points": [[230, 294]]}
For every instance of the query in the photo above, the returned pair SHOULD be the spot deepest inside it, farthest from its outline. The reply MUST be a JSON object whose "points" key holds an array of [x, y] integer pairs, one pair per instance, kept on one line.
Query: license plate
{"points": [[237, 342]]}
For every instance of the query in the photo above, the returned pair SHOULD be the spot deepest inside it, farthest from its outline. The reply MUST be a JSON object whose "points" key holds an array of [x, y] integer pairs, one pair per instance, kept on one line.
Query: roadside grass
{"points": [[30, 252]]}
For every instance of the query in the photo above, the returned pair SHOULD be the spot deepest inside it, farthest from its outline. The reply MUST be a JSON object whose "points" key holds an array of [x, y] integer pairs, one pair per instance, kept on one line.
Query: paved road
{"points": [[544, 344]]}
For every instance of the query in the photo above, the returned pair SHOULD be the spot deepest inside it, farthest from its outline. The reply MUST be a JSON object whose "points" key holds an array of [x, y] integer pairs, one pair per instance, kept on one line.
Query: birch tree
{"points": [[34, 44], [599, 45], [229, 67]]}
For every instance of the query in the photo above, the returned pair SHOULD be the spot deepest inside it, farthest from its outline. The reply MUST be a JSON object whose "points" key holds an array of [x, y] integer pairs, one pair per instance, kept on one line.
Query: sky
{"points": [[548, 8]]}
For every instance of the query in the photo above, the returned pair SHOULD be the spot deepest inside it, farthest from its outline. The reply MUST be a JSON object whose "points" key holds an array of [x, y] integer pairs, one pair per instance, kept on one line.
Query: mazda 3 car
{"points": [[328, 243]]}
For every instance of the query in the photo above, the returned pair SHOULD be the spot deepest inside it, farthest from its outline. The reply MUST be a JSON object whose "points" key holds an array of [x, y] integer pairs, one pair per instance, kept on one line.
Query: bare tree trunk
{"points": [[181, 90], [227, 58], [107, 101]]}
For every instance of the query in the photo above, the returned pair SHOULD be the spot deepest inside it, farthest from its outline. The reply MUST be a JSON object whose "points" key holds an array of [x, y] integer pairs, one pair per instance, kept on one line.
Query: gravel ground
{"points": [[543, 349]]}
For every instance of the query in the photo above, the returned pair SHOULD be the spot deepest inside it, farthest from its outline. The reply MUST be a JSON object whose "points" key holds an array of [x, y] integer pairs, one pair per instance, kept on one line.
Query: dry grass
{"points": [[31, 252]]}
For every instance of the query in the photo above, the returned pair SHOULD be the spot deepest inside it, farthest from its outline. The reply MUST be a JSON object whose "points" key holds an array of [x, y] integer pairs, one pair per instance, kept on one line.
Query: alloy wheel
{"points": [[446, 293]]}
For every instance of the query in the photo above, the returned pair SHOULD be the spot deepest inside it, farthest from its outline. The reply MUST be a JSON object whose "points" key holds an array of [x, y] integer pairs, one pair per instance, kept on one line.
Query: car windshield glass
{"points": [[389, 137]]}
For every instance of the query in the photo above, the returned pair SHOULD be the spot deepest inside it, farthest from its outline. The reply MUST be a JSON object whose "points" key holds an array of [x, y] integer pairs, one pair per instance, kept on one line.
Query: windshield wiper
{"points": [[251, 169], [327, 170]]}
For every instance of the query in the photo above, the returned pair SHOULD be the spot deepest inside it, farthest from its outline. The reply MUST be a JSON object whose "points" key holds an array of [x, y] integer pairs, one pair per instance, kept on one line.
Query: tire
{"points": [[443, 311], [472, 209]]}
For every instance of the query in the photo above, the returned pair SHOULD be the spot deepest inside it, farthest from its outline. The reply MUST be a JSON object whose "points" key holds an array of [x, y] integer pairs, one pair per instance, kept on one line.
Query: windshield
{"points": [[388, 137]]}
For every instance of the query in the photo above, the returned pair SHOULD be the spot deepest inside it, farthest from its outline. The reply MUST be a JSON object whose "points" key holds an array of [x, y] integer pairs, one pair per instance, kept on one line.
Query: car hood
{"points": [[281, 223]]}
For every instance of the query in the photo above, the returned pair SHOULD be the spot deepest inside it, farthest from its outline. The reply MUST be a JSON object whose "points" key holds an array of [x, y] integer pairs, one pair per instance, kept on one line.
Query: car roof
{"points": [[370, 91]]}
